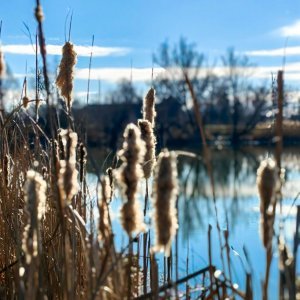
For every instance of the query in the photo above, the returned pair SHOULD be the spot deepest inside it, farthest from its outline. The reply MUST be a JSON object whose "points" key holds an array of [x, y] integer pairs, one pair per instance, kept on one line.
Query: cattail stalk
{"points": [[164, 201], [65, 76]]}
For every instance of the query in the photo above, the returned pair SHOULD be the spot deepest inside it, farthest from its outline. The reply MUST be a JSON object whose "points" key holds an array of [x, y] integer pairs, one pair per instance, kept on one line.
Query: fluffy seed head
{"points": [[35, 193], [104, 225], [128, 176], [149, 112], [164, 201], [149, 139], [65, 76], [68, 142], [67, 180], [267, 180], [35, 198]]}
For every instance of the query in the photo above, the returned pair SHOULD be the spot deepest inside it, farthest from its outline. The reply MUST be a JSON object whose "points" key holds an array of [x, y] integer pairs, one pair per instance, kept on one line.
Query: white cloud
{"points": [[288, 51], [57, 50], [117, 74], [290, 30], [113, 75]]}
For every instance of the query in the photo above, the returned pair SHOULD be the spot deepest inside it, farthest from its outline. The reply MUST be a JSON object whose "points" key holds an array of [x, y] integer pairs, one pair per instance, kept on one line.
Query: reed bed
{"points": [[53, 247]]}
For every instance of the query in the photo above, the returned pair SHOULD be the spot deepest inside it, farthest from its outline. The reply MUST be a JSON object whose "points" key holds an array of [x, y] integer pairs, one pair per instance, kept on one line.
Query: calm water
{"points": [[237, 205]]}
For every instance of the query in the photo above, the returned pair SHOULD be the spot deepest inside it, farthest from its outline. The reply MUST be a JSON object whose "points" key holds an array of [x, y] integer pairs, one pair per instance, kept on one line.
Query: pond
{"points": [[237, 204]]}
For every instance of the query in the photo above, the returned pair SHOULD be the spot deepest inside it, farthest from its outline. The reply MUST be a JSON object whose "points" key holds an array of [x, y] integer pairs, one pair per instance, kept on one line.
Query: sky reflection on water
{"points": [[237, 205]]}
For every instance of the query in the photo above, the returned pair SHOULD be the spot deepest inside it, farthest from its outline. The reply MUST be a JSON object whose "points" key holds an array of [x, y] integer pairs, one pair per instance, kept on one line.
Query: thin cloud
{"points": [[288, 51], [117, 74], [292, 72], [114, 75], [57, 50], [292, 30]]}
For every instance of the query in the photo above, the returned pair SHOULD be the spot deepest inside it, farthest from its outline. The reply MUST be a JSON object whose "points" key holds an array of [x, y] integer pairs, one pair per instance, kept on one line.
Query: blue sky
{"points": [[130, 31]]}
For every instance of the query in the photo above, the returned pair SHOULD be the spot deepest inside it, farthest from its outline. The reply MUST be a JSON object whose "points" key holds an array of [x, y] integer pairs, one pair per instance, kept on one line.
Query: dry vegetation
{"points": [[52, 246]]}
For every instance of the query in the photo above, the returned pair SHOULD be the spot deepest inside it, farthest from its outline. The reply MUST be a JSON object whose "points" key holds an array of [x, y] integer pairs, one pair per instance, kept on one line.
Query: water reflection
{"points": [[234, 173]]}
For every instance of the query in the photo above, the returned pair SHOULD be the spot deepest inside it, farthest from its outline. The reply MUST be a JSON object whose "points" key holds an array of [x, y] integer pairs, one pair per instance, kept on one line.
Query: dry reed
{"points": [[164, 201]]}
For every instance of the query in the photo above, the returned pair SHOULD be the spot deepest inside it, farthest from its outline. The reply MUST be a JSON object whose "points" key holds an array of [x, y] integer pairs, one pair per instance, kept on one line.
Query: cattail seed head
{"points": [[38, 13], [164, 201], [35, 193], [67, 180], [128, 176], [65, 76], [149, 112], [35, 198], [25, 101], [82, 160], [68, 142], [109, 173], [104, 224], [267, 181], [149, 139], [2, 65]]}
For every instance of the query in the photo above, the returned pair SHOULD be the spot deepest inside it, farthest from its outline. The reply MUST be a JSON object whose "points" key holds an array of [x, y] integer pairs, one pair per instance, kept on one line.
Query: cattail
{"points": [[39, 15], [128, 175], [267, 180], [25, 101], [109, 173], [149, 112], [149, 139], [65, 76], [67, 180], [2, 65], [35, 198], [82, 160], [104, 224], [164, 201], [68, 142]]}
